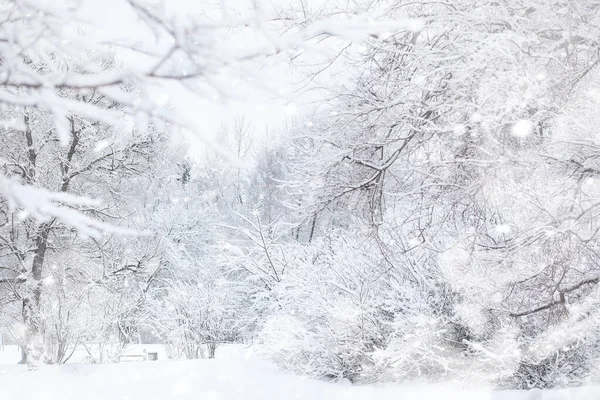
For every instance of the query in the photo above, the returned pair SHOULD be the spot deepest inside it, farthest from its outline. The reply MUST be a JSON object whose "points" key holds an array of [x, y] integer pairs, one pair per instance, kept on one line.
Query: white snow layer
{"points": [[234, 376]]}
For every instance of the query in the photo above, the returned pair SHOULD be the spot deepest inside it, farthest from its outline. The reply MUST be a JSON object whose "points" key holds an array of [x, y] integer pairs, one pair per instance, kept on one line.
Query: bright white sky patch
{"points": [[291, 109]]}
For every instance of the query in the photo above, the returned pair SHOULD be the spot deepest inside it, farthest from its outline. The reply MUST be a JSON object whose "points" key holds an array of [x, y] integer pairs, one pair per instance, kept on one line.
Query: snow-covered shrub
{"points": [[418, 349], [427, 348], [198, 313], [564, 368], [325, 347], [336, 307], [565, 354], [492, 360]]}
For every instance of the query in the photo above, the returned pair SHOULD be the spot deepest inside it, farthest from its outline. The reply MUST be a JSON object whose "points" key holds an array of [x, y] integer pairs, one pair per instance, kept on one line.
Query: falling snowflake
{"points": [[503, 229], [459, 130], [49, 280], [101, 145], [522, 128]]}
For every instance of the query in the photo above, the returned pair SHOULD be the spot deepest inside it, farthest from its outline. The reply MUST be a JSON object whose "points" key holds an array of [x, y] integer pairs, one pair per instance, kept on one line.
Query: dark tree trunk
{"points": [[33, 347], [312, 228], [212, 348], [23, 355]]}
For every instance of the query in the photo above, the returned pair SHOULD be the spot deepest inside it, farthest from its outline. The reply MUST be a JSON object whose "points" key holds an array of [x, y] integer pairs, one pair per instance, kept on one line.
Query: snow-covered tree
{"points": [[455, 149]]}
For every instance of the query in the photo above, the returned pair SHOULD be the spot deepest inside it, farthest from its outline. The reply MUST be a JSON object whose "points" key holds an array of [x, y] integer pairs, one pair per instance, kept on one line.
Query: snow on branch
{"points": [[45, 205]]}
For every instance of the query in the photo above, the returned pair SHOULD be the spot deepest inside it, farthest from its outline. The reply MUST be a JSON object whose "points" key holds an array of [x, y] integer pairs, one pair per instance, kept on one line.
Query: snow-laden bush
{"points": [[564, 368], [343, 313], [566, 354], [197, 313], [420, 348], [336, 306], [327, 347], [428, 348]]}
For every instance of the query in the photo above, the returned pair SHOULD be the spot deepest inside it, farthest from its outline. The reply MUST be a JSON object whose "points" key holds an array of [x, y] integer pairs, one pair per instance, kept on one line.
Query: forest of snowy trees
{"points": [[431, 214]]}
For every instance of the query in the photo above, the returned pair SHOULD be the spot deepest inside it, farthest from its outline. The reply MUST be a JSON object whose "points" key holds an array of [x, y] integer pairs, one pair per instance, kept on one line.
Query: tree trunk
{"points": [[33, 345], [23, 355], [212, 347], [312, 228]]}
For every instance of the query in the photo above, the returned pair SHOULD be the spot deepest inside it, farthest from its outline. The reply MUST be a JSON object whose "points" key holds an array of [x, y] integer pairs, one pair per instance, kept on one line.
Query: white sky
{"points": [[265, 92]]}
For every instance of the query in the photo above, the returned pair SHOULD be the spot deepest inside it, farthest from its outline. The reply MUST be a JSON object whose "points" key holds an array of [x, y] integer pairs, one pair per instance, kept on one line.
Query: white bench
{"points": [[132, 357]]}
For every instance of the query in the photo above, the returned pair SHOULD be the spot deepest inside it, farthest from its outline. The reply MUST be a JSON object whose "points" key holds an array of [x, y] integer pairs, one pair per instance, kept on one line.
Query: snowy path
{"points": [[218, 380]]}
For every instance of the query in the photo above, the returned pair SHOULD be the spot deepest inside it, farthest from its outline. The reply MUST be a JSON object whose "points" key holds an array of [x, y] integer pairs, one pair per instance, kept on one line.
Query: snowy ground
{"points": [[234, 376]]}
